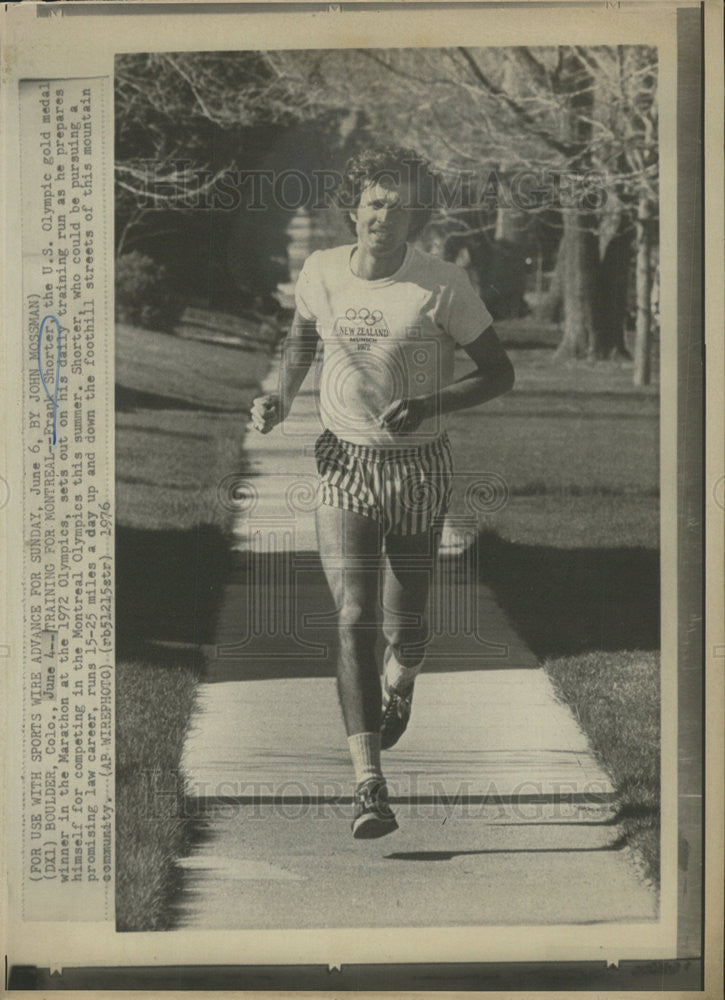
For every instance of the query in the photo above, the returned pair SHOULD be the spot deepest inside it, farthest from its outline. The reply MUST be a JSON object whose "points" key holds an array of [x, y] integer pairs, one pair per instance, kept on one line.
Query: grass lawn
{"points": [[572, 551], [153, 704], [181, 413], [616, 698]]}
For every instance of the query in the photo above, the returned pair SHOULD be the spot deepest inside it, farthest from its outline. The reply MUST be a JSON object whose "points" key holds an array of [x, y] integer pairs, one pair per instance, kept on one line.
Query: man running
{"points": [[389, 318]]}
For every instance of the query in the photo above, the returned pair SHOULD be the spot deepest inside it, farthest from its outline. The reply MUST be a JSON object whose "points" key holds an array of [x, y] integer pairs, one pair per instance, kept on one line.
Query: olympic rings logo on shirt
{"points": [[366, 316]]}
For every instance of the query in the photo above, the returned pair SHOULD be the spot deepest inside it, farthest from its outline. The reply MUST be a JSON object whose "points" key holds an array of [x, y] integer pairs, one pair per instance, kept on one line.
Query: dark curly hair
{"points": [[395, 163]]}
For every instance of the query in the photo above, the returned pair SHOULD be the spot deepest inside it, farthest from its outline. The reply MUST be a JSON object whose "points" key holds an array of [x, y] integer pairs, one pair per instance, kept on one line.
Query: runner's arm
{"points": [[493, 376], [298, 352]]}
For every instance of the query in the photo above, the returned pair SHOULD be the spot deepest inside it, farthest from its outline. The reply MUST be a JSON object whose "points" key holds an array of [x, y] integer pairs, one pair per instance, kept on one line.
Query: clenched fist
{"points": [[405, 415], [267, 412]]}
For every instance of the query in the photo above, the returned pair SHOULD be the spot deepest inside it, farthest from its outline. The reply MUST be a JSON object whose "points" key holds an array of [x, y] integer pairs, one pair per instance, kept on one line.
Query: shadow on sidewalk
{"points": [[277, 619], [450, 855], [569, 601], [274, 617]]}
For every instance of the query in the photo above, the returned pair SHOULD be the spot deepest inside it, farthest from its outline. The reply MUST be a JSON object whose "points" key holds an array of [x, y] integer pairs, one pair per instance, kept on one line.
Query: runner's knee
{"points": [[356, 624], [353, 614]]}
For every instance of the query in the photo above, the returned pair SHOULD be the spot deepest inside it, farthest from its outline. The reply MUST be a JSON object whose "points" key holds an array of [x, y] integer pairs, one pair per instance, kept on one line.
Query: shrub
{"points": [[146, 293]]}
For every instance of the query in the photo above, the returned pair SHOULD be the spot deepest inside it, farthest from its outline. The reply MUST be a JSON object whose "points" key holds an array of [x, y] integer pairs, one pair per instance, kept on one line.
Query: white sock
{"points": [[399, 677], [365, 753]]}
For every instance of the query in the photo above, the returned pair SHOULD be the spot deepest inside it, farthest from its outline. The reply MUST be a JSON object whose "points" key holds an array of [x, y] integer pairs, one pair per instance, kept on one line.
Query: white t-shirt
{"points": [[385, 339]]}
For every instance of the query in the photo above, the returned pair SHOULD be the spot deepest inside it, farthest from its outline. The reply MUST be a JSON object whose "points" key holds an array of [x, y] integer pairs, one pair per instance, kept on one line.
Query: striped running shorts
{"points": [[407, 490]]}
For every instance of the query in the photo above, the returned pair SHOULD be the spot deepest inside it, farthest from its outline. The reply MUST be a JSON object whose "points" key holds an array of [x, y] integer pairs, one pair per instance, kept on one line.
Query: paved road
{"points": [[505, 815]]}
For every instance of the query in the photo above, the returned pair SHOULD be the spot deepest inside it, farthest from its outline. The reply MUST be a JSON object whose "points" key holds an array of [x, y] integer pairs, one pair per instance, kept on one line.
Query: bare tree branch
{"points": [[519, 111]]}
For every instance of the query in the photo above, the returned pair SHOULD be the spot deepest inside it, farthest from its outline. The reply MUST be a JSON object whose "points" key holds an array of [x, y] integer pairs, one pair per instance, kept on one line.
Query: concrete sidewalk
{"points": [[505, 815]]}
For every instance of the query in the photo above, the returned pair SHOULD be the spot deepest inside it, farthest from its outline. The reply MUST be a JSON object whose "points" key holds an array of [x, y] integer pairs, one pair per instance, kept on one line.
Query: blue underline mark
{"points": [[54, 397]]}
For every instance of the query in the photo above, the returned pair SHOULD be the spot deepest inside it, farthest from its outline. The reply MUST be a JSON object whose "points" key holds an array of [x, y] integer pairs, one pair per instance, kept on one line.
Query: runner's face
{"points": [[382, 219]]}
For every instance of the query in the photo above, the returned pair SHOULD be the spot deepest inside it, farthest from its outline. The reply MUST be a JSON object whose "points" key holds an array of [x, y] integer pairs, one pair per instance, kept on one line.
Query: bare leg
{"points": [[350, 547], [409, 567]]}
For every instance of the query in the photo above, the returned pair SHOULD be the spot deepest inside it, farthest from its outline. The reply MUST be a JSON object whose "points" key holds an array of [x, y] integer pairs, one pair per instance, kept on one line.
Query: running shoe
{"points": [[372, 817], [395, 715]]}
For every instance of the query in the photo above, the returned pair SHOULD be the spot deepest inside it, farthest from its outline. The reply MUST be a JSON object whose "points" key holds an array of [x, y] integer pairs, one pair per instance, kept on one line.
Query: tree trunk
{"points": [[643, 336], [550, 307], [578, 254], [579, 244], [611, 303]]}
